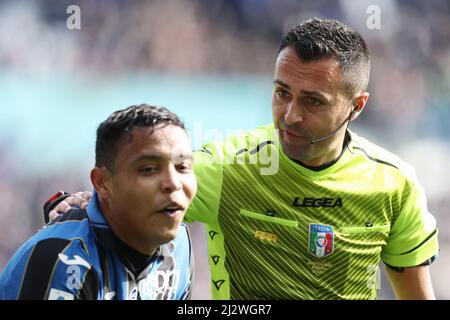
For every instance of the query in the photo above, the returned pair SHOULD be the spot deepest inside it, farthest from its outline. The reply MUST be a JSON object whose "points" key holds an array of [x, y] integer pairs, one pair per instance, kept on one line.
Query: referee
{"points": [[128, 243], [304, 208]]}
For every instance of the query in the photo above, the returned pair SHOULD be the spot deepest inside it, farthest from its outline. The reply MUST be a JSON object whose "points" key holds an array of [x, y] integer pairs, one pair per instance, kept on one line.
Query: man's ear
{"points": [[359, 102], [101, 178]]}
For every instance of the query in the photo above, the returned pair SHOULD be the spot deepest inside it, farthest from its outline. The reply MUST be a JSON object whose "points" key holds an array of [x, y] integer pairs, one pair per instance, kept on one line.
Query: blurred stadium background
{"points": [[211, 62]]}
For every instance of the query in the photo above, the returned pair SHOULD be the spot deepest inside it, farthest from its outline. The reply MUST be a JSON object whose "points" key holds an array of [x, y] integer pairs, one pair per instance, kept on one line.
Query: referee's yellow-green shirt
{"points": [[277, 230]]}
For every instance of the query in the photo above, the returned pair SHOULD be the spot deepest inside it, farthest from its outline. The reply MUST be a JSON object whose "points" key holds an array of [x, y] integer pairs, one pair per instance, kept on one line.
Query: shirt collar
{"points": [[95, 214]]}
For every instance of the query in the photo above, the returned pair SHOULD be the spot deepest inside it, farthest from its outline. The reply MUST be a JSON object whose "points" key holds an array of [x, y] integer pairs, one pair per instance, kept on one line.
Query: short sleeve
{"points": [[413, 238]]}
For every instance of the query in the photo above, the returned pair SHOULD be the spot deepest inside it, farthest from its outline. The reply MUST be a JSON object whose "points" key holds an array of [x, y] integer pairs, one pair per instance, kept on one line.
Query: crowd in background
{"points": [[409, 85], [410, 49]]}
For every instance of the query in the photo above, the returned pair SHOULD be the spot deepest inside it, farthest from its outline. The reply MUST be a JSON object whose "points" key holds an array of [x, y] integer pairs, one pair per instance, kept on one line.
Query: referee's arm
{"points": [[412, 246], [412, 283]]}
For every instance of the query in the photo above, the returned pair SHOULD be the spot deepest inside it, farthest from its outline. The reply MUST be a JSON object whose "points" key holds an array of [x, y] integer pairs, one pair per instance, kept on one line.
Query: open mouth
{"points": [[172, 210]]}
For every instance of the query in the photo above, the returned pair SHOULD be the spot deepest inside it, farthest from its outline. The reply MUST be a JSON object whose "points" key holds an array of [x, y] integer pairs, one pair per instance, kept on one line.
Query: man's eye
{"points": [[148, 170], [281, 93], [184, 167], [311, 101]]}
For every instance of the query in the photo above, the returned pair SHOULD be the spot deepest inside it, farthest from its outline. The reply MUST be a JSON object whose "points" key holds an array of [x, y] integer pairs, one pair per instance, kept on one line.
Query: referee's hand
{"points": [[79, 199]]}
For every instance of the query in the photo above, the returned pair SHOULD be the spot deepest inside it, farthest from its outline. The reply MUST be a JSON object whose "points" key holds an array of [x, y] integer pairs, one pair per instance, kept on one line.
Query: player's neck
{"points": [[123, 233]]}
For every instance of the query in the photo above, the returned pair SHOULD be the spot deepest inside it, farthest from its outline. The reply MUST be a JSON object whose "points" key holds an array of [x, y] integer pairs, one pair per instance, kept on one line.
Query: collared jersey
{"points": [[78, 256], [278, 230]]}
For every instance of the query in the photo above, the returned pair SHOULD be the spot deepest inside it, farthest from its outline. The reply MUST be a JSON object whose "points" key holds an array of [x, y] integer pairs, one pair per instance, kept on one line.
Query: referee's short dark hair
{"points": [[317, 38], [120, 123]]}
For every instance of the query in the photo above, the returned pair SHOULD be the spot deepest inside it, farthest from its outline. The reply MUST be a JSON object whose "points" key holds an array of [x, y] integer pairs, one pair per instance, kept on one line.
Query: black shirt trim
{"points": [[39, 269], [324, 166], [133, 260]]}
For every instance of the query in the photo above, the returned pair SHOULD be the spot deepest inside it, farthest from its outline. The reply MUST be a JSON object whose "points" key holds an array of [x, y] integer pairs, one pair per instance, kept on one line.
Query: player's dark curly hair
{"points": [[317, 38], [110, 133]]}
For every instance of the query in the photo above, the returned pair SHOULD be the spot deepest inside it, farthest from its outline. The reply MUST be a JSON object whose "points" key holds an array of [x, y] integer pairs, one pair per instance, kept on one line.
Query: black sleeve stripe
{"points": [[40, 267], [105, 270], [423, 264], [90, 286], [23, 275], [418, 246]]}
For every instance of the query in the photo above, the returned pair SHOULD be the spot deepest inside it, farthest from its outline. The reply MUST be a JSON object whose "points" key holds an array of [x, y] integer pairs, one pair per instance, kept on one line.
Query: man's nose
{"points": [[293, 114], [171, 181]]}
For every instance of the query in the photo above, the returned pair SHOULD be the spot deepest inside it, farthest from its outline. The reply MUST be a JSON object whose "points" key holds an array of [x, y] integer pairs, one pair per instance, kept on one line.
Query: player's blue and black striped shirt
{"points": [[79, 257]]}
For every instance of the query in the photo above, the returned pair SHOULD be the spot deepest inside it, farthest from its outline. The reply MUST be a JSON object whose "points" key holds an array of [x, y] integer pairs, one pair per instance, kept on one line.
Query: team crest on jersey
{"points": [[321, 240]]}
